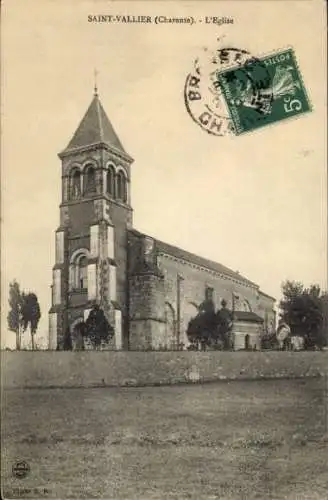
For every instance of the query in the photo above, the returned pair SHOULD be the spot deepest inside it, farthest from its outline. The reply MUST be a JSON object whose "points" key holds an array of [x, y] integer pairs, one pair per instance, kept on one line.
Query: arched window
{"points": [[111, 182], [78, 270], [121, 186], [246, 306], [82, 272], [188, 311], [209, 293], [89, 180], [75, 185]]}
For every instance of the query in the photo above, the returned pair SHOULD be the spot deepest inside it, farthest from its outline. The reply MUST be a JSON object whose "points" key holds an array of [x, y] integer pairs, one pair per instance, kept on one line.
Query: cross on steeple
{"points": [[95, 79]]}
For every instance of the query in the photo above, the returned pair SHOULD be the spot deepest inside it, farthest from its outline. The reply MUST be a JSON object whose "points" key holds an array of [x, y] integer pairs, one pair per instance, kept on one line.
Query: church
{"points": [[148, 289]]}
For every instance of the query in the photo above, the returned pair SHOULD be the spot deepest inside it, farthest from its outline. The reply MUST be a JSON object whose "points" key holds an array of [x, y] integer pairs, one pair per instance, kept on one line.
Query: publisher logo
{"points": [[20, 469]]}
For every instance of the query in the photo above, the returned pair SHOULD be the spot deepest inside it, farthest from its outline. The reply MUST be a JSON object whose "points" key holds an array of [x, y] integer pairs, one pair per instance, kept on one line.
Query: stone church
{"points": [[148, 289]]}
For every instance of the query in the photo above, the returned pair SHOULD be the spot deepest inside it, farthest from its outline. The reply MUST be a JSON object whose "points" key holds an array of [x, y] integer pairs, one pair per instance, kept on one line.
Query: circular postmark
{"points": [[203, 95], [20, 469]]}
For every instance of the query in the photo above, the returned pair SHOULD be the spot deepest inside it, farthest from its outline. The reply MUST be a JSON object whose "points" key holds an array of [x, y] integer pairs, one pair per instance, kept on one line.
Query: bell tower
{"points": [[91, 240]]}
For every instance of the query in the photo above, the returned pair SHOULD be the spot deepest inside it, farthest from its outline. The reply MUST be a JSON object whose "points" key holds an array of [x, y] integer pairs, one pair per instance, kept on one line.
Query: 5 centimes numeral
{"points": [[264, 91], [202, 93]]}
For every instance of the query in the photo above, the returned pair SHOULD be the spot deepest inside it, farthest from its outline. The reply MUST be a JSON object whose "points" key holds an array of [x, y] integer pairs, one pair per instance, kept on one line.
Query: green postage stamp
{"points": [[263, 91]]}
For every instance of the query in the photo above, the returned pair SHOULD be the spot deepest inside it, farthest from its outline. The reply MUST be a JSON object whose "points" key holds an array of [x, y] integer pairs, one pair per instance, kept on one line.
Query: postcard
{"points": [[164, 250]]}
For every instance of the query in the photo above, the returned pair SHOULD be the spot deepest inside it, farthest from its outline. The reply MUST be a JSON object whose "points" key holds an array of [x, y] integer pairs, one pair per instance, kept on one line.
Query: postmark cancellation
{"points": [[232, 92]]}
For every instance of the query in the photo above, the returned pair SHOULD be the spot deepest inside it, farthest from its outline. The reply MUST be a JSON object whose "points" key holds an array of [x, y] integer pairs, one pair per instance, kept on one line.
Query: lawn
{"points": [[237, 440]]}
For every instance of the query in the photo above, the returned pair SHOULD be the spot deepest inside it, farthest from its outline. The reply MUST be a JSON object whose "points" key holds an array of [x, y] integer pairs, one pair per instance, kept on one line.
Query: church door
{"points": [[76, 334]]}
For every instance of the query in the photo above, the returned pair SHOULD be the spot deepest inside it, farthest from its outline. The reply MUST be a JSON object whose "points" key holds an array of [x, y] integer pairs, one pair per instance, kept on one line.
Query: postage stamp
{"points": [[263, 91], [202, 93]]}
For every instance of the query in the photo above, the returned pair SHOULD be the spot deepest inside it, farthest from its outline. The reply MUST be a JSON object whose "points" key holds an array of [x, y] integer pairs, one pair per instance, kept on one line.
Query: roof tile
{"points": [[94, 128], [200, 261], [179, 253]]}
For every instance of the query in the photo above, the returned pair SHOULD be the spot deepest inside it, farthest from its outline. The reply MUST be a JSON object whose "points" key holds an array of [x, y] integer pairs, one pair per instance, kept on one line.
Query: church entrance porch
{"points": [[247, 331]]}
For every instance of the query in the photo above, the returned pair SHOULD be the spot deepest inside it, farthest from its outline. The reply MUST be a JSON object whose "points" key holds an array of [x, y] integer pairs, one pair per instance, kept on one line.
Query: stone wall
{"points": [[106, 368]]}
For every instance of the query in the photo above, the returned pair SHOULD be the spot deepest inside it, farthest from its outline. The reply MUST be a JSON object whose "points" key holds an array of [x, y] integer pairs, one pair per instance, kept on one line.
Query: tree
{"points": [[196, 332], [97, 328], [209, 328], [31, 314], [302, 309], [14, 317]]}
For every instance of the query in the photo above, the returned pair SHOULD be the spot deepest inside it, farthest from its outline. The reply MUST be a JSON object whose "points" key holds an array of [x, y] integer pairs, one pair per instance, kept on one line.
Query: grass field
{"points": [[238, 440]]}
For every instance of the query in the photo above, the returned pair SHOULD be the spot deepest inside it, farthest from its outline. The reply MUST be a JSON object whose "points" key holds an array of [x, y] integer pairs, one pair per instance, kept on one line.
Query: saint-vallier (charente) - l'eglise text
{"points": [[126, 19]]}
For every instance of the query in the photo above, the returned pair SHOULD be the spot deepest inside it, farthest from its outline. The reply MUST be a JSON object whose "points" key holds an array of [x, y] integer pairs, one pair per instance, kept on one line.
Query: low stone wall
{"points": [[27, 369]]}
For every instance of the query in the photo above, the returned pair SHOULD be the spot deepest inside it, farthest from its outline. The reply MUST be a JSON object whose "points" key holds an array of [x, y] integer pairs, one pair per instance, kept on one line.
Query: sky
{"points": [[256, 202]]}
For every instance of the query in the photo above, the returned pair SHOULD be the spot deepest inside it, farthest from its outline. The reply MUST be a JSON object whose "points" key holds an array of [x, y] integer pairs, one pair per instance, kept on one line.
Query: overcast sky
{"points": [[255, 203]]}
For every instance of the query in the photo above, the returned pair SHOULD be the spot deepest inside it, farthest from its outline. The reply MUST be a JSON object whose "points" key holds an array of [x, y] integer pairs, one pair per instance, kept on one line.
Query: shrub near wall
{"points": [[107, 368]]}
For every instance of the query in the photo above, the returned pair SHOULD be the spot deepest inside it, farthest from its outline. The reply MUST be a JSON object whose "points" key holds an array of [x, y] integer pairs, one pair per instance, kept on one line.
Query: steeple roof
{"points": [[94, 128]]}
